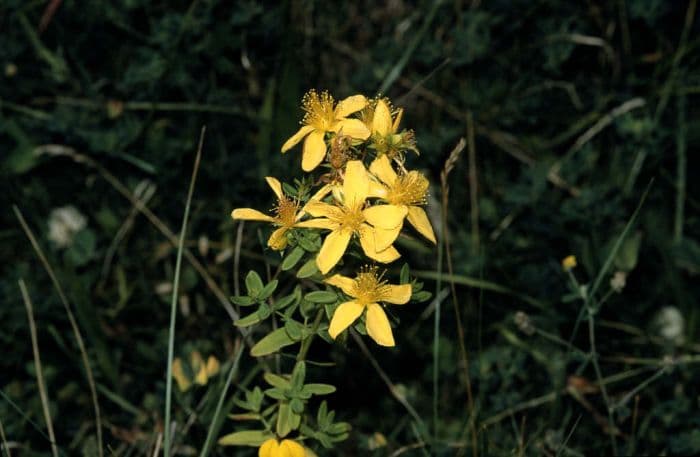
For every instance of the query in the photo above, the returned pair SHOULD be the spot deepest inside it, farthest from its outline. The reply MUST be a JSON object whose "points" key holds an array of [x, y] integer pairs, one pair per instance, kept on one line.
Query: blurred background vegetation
{"points": [[570, 110]]}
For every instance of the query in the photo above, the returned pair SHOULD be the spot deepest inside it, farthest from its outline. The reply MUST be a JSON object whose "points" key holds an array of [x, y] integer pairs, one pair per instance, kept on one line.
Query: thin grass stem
{"points": [[37, 367], [173, 301]]}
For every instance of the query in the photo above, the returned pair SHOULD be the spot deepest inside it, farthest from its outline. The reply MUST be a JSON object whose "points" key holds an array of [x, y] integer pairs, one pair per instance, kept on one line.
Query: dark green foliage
{"points": [[576, 107]]}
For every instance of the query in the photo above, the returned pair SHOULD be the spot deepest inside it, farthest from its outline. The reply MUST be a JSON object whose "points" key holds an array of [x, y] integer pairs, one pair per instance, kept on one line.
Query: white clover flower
{"points": [[670, 324], [64, 223]]}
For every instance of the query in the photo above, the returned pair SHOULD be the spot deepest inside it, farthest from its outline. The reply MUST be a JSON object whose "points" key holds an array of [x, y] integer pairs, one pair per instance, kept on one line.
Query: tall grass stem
{"points": [[173, 301]]}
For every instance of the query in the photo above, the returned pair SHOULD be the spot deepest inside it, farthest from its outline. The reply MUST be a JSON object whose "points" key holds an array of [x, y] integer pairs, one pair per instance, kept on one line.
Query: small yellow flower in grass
{"points": [[286, 448], [286, 214], [569, 262], [198, 368], [322, 115], [350, 217], [407, 190], [367, 290]]}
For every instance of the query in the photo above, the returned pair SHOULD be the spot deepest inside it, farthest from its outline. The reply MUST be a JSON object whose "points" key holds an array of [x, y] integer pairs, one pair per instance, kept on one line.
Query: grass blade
{"points": [[37, 366], [173, 301]]}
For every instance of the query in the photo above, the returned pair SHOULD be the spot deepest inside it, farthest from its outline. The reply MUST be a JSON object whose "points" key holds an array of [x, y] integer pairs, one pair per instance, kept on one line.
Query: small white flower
{"points": [[670, 324], [64, 223]]}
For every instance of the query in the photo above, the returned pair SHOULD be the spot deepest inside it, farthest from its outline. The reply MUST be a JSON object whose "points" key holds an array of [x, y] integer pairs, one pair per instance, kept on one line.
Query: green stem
{"points": [[306, 343]]}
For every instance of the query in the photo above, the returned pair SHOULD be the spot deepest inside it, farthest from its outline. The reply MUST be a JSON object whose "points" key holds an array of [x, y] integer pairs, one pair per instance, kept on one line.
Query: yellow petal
{"points": [[350, 105], [290, 448], [368, 241], [278, 239], [356, 184], [385, 216], [276, 186], [383, 238], [183, 383], [381, 123], [322, 192], [297, 137], [318, 196], [212, 366], [332, 250], [249, 214], [314, 150], [198, 366], [381, 168], [344, 316], [269, 448], [396, 294], [378, 326], [377, 189], [397, 120], [354, 128], [388, 255], [418, 219], [321, 209], [319, 223], [344, 283]]}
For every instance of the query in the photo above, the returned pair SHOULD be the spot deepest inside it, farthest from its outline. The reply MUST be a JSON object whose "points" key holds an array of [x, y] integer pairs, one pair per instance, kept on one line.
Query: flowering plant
{"points": [[338, 234]]}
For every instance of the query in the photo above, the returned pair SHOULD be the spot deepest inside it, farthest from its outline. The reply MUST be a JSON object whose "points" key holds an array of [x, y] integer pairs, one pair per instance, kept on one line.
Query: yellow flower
{"points": [[287, 448], [201, 371], [287, 214], [406, 190], [321, 117], [569, 262], [367, 290], [350, 217], [385, 136]]}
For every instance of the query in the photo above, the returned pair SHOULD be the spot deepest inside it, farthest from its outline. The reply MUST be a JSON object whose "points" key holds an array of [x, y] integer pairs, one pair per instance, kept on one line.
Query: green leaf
{"points": [[321, 296], [287, 420], [288, 299], [292, 258], [264, 311], [268, 290], [253, 283], [249, 320], [297, 406], [628, 254], [242, 300], [310, 243], [271, 343], [298, 375], [277, 381], [294, 329], [318, 389], [246, 438], [275, 393], [404, 277], [421, 296], [308, 269]]}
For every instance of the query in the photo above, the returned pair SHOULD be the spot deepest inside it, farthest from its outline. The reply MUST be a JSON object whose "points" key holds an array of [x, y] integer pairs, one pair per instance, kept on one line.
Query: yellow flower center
{"points": [[369, 286], [351, 218], [409, 189], [286, 212], [319, 110]]}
